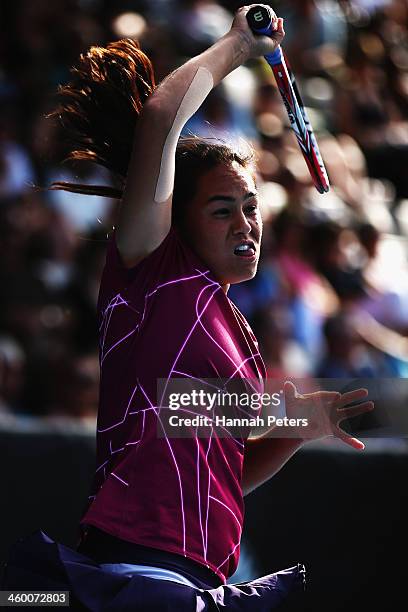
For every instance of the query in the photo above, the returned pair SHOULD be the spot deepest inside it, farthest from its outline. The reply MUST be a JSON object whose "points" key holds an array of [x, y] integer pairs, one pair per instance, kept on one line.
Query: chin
{"points": [[244, 276], [232, 275]]}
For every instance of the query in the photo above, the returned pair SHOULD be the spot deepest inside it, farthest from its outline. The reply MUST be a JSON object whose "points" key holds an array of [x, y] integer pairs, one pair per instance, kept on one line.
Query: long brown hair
{"points": [[99, 107]]}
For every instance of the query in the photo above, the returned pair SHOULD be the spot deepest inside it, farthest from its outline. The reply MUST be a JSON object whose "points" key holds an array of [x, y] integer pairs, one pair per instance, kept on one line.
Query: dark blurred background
{"points": [[330, 298]]}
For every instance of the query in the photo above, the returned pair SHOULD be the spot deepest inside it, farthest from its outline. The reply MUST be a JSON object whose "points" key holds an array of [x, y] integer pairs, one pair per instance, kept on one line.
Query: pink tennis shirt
{"points": [[167, 317]]}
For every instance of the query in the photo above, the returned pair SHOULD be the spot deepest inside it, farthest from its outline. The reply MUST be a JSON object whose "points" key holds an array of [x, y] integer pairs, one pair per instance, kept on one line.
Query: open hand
{"points": [[324, 411]]}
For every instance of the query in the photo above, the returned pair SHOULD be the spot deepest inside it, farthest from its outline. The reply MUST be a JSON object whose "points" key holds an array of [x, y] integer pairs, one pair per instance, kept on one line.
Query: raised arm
{"points": [[145, 214]]}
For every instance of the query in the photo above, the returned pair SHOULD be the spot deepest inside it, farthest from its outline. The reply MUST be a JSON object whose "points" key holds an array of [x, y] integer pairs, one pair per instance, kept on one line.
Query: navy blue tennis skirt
{"points": [[38, 563]]}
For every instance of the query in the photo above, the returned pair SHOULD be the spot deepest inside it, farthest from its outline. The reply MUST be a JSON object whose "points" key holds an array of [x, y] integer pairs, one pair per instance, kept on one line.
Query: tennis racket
{"points": [[260, 21]]}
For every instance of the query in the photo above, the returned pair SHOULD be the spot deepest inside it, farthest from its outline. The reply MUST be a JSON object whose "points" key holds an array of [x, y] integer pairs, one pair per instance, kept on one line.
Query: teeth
{"points": [[243, 247]]}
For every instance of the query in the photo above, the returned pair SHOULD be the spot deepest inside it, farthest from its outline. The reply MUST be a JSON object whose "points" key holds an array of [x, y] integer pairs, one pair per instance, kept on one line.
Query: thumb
{"points": [[290, 390]]}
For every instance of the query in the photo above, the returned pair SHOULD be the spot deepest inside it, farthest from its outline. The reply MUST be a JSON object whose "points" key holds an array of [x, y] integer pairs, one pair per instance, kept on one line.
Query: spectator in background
{"points": [[272, 335], [314, 26], [310, 297], [345, 355], [332, 262]]}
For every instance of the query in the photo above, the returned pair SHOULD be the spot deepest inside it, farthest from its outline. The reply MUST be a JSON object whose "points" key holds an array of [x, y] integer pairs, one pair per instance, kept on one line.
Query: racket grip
{"points": [[259, 19]]}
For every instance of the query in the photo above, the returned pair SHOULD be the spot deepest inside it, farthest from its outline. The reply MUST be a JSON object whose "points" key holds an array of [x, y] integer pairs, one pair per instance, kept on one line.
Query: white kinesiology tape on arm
{"points": [[199, 88]]}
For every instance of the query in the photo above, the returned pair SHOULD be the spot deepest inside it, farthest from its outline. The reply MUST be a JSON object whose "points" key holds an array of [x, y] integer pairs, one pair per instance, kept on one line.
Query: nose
{"points": [[241, 224]]}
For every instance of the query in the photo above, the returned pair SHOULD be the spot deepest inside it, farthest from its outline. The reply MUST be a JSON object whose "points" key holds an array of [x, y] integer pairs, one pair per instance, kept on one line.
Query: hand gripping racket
{"points": [[260, 21]]}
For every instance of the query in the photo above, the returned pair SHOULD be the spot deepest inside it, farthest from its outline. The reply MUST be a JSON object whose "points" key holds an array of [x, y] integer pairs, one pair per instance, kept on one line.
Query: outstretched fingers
{"points": [[349, 397], [354, 442], [353, 411], [350, 412]]}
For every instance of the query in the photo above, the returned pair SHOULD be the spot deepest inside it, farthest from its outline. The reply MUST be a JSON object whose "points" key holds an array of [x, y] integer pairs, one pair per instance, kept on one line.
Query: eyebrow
{"points": [[225, 198]]}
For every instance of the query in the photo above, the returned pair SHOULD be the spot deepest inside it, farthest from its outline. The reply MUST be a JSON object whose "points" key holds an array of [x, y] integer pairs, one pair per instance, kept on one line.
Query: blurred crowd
{"points": [[331, 295]]}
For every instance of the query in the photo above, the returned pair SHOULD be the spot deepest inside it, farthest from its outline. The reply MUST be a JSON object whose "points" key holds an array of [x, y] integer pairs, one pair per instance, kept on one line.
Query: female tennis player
{"points": [[163, 524]]}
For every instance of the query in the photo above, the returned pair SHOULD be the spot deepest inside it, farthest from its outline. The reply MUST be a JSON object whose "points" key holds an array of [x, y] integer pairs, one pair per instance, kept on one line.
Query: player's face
{"points": [[223, 223]]}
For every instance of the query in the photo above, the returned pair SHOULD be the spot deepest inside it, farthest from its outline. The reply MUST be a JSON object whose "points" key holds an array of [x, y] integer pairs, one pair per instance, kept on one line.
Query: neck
{"points": [[225, 288]]}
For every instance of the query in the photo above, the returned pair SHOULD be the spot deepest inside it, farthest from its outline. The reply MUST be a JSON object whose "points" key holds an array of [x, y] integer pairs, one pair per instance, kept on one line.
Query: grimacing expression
{"points": [[223, 223]]}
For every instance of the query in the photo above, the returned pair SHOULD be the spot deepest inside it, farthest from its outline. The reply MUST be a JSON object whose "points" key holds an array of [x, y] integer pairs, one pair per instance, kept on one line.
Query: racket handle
{"points": [[260, 21]]}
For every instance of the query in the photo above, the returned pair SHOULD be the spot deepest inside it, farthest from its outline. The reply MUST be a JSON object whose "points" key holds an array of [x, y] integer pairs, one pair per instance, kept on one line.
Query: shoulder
{"points": [[170, 262]]}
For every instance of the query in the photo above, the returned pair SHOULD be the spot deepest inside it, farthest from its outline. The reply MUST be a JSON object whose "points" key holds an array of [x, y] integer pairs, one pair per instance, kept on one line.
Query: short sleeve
{"points": [[169, 260]]}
